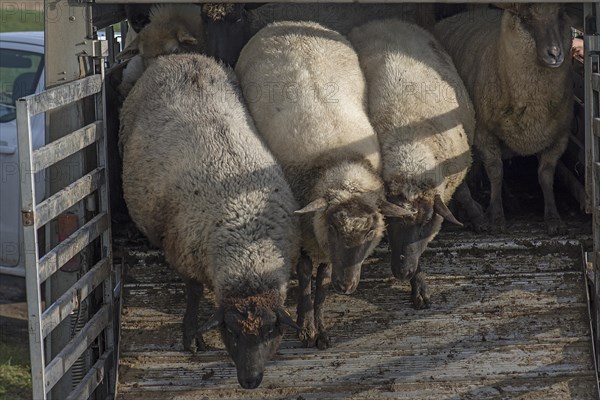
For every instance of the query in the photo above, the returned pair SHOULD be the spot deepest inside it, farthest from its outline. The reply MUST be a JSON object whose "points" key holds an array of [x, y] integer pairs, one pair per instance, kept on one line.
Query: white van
{"points": [[21, 74]]}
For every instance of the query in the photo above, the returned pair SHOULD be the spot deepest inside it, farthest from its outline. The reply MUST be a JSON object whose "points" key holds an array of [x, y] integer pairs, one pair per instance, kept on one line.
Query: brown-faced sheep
{"points": [[306, 92], [201, 184], [424, 119], [512, 63]]}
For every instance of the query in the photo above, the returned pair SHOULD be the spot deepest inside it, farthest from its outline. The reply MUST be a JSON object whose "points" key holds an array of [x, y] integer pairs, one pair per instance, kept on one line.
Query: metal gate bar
{"points": [[41, 323], [71, 299], [592, 133], [66, 146], [62, 253]]}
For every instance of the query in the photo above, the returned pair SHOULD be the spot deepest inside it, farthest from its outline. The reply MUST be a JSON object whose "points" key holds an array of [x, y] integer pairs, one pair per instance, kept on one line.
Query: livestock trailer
{"points": [[514, 315]]}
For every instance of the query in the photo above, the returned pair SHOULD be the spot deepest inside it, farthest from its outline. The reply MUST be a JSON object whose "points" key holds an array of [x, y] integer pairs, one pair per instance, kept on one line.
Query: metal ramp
{"points": [[510, 320]]}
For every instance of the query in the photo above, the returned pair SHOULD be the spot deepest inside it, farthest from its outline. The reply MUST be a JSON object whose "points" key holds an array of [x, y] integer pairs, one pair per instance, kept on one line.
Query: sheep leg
{"points": [[306, 317], [473, 209], [192, 340], [491, 155], [420, 290], [322, 286], [546, 168]]}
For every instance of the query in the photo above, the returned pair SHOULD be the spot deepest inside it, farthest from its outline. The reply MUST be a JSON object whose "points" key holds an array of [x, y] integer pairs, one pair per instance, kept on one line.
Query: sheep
{"points": [[306, 92], [201, 184], [138, 16], [172, 28], [512, 63], [425, 122], [226, 30]]}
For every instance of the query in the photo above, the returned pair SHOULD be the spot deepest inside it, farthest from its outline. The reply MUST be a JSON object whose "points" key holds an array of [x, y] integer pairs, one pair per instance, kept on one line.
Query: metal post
{"points": [[592, 111], [34, 299], [104, 206]]}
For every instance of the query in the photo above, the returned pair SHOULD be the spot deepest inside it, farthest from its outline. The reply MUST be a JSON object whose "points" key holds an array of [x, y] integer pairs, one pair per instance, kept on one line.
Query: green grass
{"points": [[15, 376], [12, 20]]}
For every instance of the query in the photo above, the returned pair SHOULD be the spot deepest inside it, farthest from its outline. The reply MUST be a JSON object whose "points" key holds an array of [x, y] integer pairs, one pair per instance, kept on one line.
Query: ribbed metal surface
{"points": [[509, 320]]}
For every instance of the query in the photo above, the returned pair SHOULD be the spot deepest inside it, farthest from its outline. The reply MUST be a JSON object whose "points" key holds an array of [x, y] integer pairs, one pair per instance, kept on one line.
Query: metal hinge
{"points": [[93, 48], [27, 217]]}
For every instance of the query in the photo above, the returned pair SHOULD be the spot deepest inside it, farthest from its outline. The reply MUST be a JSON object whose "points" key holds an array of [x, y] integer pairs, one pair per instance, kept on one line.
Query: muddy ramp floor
{"points": [[509, 320]]}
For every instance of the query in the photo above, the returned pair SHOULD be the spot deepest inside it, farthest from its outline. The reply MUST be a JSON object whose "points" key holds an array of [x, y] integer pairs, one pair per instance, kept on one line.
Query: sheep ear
{"points": [[390, 209], [284, 318], [213, 322], [183, 36], [130, 51], [314, 206], [440, 208]]}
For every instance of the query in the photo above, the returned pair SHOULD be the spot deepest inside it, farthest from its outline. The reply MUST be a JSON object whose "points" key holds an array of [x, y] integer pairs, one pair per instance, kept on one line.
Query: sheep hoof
{"points": [[308, 335], [555, 226], [480, 225], [322, 341], [421, 301], [420, 291], [479, 222], [194, 343], [308, 342], [497, 225], [420, 295], [190, 344]]}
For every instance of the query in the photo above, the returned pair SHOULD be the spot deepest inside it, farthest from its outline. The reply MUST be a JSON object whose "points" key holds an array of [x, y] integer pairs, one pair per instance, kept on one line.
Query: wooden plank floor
{"points": [[509, 320]]}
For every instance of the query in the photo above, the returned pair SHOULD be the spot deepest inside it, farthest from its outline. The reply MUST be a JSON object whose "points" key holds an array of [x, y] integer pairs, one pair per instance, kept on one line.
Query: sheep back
{"points": [[307, 79], [200, 183], [418, 106]]}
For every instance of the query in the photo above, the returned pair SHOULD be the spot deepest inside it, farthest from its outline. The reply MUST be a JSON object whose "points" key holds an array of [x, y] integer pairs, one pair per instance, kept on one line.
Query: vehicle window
{"points": [[19, 74]]}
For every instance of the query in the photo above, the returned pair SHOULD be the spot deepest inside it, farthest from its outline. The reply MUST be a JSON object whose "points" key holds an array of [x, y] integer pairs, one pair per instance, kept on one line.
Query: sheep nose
{"points": [[555, 53], [252, 382]]}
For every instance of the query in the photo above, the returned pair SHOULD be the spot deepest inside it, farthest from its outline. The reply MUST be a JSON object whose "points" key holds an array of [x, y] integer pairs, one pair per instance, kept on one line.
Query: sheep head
{"points": [[353, 228], [409, 235], [251, 328], [543, 26], [173, 28], [226, 30]]}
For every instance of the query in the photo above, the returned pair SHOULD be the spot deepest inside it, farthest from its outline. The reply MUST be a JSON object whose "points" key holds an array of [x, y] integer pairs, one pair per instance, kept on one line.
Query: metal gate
{"points": [[97, 286], [592, 127]]}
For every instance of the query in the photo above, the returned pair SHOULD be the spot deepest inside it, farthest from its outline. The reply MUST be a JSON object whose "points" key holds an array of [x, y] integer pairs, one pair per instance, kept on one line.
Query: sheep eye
{"points": [[370, 235]]}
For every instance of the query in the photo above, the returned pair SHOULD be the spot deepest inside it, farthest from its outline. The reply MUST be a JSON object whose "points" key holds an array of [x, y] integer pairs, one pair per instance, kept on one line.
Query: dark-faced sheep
{"points": [[424, 119], [201, 184], [306, 92], [512, 63]]}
